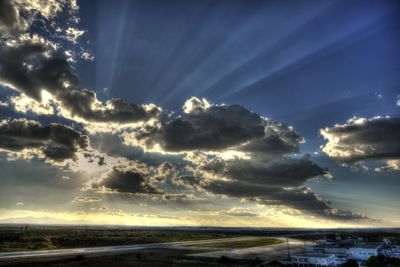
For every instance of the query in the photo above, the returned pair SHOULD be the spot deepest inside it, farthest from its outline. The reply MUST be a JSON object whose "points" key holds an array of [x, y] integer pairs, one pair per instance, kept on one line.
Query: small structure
{"points": [[395, 252], [363, 252], [313, 260], [391, 251], [336, 250]]}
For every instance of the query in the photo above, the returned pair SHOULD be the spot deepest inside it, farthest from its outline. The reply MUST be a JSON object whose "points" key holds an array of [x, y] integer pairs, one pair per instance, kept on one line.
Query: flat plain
{"points": [[62, 246]]}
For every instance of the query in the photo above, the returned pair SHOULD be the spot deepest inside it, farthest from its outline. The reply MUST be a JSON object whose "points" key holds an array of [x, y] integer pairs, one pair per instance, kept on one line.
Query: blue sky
{"points": [[330, 61]]}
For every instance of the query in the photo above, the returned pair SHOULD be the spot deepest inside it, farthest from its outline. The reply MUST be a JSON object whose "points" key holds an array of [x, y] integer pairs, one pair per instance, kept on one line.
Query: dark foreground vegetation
{"points": [[375, 261], [145, 258], [367, 235], [176, 258]]}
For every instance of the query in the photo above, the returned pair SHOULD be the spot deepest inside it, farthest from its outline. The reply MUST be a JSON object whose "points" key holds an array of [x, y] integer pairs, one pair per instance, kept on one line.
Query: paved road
{"points": [[8, 256], [266, 253]]}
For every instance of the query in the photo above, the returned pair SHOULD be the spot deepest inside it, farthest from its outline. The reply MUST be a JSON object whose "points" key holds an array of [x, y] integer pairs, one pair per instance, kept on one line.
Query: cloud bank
{"points": [[134, 178], [32, 66], [208, 127], [54, 141], [361, 139], [226, 150]]}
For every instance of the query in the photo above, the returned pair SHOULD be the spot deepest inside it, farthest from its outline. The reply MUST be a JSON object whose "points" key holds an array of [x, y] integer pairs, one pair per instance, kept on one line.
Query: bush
{"points": [[139, 256], [376, 261], [224, 259], [393, 262], [79, 257], [350, 263]]}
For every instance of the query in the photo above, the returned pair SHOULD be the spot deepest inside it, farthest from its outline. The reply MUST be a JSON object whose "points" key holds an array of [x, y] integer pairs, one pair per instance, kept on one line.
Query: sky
{"points": [[200, 113]]}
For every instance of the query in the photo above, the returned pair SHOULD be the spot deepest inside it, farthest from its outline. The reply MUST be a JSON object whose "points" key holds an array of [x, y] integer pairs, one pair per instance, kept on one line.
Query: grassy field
{"points": [[40, 237], [367, 235], [242, 243], [37, 237]]}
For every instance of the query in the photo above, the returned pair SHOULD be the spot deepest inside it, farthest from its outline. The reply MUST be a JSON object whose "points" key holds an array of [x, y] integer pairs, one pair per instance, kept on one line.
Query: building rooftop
{"points": [[333, 246], [370, 245], [315, 255]]}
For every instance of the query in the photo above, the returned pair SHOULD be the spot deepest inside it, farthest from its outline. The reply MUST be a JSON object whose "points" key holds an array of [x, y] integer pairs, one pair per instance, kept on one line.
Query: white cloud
{"points": [[361, 139], [72, 34]]}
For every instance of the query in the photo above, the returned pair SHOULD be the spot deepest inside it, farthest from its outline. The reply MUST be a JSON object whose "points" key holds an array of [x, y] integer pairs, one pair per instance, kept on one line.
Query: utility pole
{"points": [[288, 251]]}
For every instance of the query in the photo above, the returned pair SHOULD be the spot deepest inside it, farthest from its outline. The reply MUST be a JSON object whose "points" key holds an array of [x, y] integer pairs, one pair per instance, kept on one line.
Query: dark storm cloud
{"points": [[29, 67], [278, 139], [362, 139], [347, 215], [282, 172], [210, 127], [215, 129], [56, 141], [299, 198], [10, 21], [269, 182], [135, 179]]}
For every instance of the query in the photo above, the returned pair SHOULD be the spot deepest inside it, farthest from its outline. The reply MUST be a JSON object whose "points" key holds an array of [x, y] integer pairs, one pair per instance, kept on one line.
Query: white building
{"points": [[395, 252], [363, 252], [313, 260], [392, 251]]}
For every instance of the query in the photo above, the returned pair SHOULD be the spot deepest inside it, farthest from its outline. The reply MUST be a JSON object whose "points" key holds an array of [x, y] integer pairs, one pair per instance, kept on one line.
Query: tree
{"points": [[350, 263], [376, 261], [224, 260], [393, 261], [139, 256], [79, 257]]}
